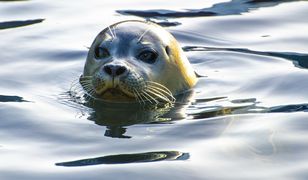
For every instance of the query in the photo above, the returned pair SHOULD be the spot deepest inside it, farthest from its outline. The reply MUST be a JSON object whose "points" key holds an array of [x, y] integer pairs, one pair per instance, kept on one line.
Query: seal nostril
{"points": [[114, 70], [108, 70], [120, 70]]}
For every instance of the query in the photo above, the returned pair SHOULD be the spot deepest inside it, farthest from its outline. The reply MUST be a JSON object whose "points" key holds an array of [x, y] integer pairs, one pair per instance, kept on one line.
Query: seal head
{"points": [[136, 61]]}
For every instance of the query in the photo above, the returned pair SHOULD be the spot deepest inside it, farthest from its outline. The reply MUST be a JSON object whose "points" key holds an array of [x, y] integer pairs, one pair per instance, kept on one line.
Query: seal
{"points": [[136, 61]]}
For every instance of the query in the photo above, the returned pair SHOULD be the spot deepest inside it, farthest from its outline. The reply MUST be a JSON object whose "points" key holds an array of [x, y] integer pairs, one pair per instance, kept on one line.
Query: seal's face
{"points": [[136, 61]]}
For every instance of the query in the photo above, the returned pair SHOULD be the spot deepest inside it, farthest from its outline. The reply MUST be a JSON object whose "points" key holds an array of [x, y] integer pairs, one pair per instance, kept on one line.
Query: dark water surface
{"points": [[248, 118]]}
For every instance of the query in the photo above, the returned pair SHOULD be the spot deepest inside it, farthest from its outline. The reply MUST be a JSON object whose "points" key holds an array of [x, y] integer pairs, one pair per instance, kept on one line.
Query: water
{"points": [[248, 121]]}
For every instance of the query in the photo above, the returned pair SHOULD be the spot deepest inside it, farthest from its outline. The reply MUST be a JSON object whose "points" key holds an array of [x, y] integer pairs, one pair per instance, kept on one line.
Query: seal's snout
{"points": [[114, 70]]}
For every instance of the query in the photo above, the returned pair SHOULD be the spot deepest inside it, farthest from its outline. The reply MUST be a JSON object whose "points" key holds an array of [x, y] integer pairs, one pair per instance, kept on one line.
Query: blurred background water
{"points": [[248, 121]]}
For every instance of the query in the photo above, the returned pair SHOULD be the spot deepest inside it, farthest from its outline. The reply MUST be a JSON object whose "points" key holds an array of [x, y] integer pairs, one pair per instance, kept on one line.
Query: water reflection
{"points": [[128, 158], [299, 60], [290, 108], [12, 0], [166, 23], [117, 116], [233, 7], [204, 108], [15, 24], [5, 98]]}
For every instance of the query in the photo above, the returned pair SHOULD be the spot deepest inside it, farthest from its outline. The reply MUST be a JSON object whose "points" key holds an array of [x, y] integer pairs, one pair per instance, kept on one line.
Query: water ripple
{"points": [[15, 24], [5, 98], [300, 60], [128, 158], [233, 7]]}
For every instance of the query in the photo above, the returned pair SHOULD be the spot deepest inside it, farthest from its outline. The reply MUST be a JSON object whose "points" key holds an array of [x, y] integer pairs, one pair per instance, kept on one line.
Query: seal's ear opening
{"points": [[167, 49]]}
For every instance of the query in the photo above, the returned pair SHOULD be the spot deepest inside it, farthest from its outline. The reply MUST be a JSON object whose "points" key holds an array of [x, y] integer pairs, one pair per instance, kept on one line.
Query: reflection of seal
{"points": [[136, 61], [117, 117]]}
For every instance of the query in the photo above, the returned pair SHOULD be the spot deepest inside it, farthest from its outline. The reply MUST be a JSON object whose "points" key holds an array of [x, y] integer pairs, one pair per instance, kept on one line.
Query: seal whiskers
{"points": [[151, 97], [157, 94], [161, 90], [114, 32], [139, 39], [138, 98], [111, 33], [154, 93], [87, 86]]}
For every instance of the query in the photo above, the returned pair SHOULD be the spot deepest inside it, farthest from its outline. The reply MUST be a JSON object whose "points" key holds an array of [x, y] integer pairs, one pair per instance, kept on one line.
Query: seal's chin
{"points": [[116, 95]]}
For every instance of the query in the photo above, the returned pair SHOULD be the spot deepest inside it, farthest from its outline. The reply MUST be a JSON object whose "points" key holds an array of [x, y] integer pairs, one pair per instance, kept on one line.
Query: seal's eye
{"points": [[101, 53], [148, 56]]}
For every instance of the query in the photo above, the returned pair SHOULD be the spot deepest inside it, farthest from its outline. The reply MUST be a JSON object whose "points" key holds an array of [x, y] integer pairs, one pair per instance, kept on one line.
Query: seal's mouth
{"points": [[116, 94], [114, 91]]}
